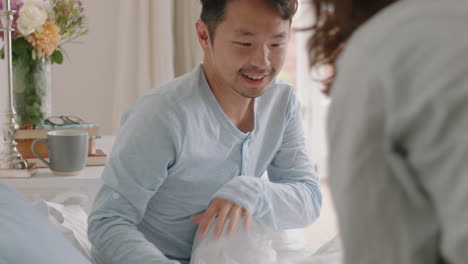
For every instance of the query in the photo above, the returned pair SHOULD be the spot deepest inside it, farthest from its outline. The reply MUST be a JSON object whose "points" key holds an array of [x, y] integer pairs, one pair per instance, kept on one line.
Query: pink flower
{"points": [[14, 5]]}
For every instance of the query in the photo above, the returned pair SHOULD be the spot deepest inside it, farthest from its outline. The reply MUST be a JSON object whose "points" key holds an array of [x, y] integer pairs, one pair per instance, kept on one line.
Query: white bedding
{"points": [[65, 212], [27, 237], [260, 245], [329, 253]]}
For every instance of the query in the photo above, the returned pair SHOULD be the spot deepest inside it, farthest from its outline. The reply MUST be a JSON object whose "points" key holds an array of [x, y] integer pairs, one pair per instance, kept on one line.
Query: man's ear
{"points": [[203, 35]]}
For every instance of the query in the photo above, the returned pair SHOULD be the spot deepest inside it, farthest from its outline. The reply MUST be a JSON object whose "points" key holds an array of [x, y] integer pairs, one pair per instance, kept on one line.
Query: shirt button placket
{"points": [[245, 155]]}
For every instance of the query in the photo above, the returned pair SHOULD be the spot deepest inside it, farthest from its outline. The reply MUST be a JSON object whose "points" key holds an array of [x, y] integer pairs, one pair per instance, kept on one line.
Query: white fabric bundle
{"points": [[261, 245], [244, 247], [65, 212]]}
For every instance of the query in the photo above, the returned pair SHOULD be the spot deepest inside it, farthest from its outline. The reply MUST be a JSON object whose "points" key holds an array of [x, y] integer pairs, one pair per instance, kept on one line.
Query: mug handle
{"points": [[33, 149]]}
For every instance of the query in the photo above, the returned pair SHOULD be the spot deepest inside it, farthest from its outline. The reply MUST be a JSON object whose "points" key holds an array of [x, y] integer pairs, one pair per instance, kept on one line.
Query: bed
{"points": [[45, 232], [28, 237]]}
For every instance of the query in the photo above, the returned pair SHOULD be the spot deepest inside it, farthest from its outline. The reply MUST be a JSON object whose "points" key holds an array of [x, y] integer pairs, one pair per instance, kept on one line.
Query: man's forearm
{"points": [[283, 205], [113, 233], [117, 241]]}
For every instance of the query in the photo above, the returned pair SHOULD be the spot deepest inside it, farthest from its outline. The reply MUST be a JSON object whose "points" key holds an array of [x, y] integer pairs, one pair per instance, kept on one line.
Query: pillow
{"points": [[290, 245], [330, 253], [289, 240], [66, 214], [27, 236]]}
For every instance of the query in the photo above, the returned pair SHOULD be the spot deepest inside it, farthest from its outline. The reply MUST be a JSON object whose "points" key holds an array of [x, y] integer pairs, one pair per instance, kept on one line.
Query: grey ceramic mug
{"points": [[68, 150]]}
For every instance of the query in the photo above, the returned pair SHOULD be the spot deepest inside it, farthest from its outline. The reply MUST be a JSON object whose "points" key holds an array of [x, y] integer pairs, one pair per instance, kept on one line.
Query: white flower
{"points": [[44, 4], [30, 18]]}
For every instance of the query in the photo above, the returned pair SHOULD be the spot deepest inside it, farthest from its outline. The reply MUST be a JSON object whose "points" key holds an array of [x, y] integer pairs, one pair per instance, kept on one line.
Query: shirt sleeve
{"points": [[292, 197], [133, 174]]}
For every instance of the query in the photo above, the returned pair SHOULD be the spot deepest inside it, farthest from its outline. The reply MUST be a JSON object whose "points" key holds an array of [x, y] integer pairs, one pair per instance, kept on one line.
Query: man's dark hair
{"points": [[213, 12]]}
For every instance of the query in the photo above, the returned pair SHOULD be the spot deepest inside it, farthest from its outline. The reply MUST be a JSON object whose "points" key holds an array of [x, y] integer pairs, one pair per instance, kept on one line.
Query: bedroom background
{"points": [[133, 46]]}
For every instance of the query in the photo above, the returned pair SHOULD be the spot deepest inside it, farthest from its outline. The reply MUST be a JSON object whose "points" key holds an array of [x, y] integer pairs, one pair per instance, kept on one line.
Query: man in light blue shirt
{"points": [[193, 150]]}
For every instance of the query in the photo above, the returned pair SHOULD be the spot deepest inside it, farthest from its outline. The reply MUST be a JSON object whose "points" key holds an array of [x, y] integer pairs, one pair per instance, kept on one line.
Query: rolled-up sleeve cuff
{"points": [[245, 191]]}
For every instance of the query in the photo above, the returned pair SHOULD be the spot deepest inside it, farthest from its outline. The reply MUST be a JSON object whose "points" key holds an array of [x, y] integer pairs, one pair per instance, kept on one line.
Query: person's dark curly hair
{"points": [[213, 12], [335, 22]]}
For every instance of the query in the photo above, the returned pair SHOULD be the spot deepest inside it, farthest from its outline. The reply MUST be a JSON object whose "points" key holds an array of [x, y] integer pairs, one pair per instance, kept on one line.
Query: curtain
{"points": [[156, 42], [314, 103]]}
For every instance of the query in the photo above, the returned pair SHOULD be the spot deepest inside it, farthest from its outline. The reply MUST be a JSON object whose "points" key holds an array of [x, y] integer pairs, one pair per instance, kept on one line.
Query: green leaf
{"points": [[29, 79], [57, 57], [22, 51], [26, 60]]}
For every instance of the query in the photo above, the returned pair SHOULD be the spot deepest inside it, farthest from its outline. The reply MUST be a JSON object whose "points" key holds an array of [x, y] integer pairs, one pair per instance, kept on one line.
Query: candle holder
{"points": [[12, 164]]}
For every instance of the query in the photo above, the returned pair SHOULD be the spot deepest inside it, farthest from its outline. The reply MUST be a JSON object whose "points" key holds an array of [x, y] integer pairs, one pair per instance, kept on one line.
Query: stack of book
{"points": [[25, 138]]}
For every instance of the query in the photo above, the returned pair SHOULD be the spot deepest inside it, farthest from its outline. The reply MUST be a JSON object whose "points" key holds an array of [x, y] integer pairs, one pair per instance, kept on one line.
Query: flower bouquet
{"points": [[41, 28]]}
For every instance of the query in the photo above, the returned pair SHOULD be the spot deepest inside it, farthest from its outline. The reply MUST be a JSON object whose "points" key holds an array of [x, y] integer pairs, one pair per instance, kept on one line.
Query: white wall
{"points": [[314, 103], [82, 85]]}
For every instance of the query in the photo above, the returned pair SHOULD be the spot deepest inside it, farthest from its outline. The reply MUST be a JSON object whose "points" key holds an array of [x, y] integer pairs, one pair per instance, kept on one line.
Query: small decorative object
{"points": [[41, 28]]}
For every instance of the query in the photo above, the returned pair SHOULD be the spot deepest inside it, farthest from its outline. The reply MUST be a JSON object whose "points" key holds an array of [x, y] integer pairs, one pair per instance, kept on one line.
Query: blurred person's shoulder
{"points": [[410, 43], [411, 23], [409, 48]]}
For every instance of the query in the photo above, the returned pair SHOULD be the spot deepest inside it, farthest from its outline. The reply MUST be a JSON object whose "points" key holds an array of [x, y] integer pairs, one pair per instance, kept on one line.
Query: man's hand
{"points": [[223, 210]]}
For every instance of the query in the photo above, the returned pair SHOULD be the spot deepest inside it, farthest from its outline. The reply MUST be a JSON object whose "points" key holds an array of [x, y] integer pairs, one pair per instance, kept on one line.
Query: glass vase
{"points": [[32, 92]]}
